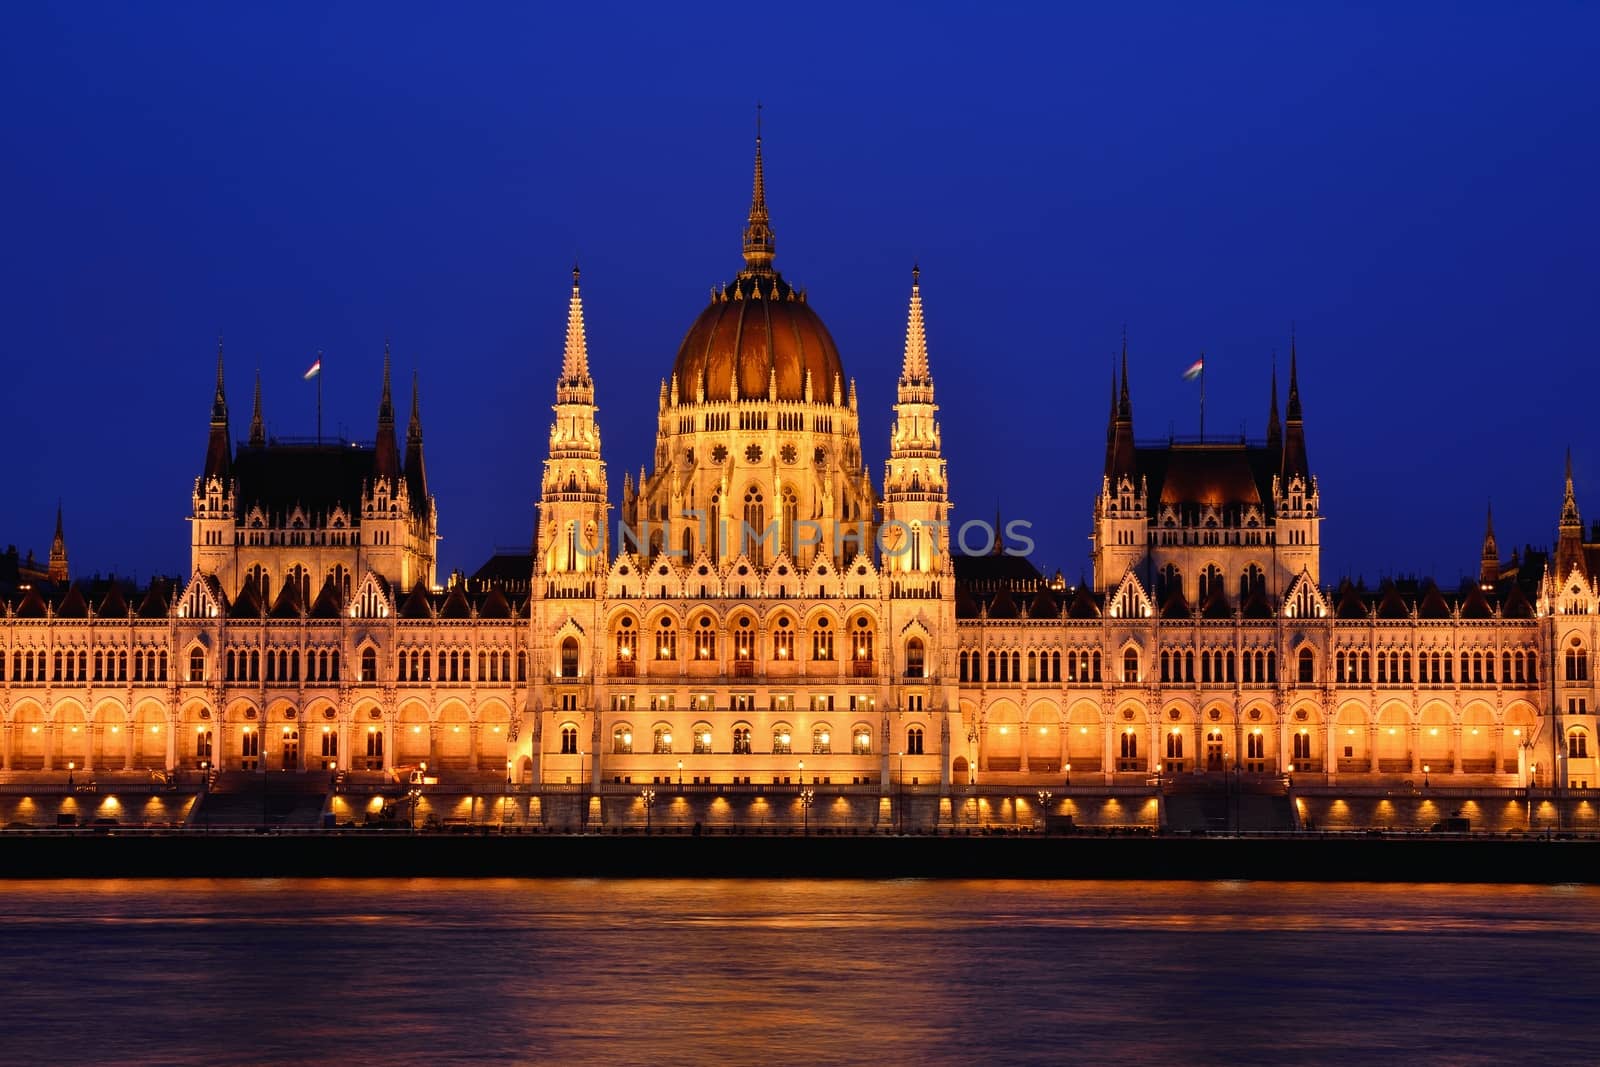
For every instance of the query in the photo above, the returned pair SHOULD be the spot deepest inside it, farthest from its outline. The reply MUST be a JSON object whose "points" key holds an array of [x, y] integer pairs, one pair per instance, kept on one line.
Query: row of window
{"points": [[416, 665], [75, 666], [1435, 668], [701, 740], [743, 640]]}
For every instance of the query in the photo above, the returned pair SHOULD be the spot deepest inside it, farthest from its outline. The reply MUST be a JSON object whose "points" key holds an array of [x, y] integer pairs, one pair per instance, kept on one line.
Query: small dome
{"points": [[756, 327]]}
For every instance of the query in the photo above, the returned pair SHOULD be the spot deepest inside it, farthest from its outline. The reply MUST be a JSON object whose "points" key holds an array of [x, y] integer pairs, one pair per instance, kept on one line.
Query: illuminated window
{"points": [[914, 741], [741, 740], [569, 739], [821, 740], [621, 739], [663, 739], [822, 639], [861, 741], [782, 739], [369, 665], [783, 640], [197, 666], [702, 738], [569, 658]]}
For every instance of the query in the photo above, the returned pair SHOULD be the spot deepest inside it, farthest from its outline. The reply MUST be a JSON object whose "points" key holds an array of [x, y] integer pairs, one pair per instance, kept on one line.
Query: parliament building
{"points": [[764, 621]]}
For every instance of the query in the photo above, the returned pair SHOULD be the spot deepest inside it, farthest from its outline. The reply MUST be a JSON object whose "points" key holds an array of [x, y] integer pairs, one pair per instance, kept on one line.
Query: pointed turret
{"points": [[1569, 534], [58, 552], [258, 428], [415, 470], [1489, 562], [576, 387], [1274, 427], [758, 243], [1294, 442], [1119, 447], [914, 367], [386, 452], [219, 447], [571, 533], [915, 495]]}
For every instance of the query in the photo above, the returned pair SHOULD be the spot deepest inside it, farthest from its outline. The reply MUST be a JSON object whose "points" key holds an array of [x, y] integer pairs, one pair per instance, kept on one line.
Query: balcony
{"points": [[861, 668], [625, 668], [744, 668]]}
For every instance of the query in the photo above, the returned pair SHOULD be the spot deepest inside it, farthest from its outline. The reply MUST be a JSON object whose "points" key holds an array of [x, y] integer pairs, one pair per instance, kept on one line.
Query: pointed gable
{"points": [[156, 604], [202, 599], [327, 605], [1256, 605], [114, 605], [1003, 606], [1176, 605], [1391, 605], [1516, 605], [1044, 605], [1350, 604], [1433, 605], [1084, 605], [74, 605], [1216, 606], [32, 605], [495, 605], [417, 605], [288, 605], [247, 605], [1476, 604], [455, 605]]}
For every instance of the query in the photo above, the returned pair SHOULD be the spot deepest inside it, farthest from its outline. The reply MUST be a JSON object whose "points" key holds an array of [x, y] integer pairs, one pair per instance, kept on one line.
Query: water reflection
{"points": [[733, 971]]}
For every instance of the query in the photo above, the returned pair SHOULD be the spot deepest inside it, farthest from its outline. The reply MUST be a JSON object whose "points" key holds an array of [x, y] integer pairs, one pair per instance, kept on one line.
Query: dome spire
{"points": [[758, 247]]}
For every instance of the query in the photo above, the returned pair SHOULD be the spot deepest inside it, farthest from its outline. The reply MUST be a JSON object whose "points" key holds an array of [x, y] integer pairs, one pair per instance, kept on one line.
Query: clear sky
{"points": [[1415, 188]]}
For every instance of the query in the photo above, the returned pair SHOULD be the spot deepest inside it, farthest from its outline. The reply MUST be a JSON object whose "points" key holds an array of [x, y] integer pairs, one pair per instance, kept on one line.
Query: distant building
{"points": [[772, 615]]}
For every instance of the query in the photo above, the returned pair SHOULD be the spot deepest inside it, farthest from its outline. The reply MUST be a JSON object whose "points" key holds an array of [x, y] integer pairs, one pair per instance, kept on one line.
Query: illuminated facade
{"points": [[773, 616]]}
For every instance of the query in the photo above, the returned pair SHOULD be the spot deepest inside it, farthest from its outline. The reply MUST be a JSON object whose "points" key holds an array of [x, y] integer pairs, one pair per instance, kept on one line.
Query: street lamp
{"points": [[680, 776], [807, 794], [1425, 770], [649, 796], [1069, 775], [1044, 806]]}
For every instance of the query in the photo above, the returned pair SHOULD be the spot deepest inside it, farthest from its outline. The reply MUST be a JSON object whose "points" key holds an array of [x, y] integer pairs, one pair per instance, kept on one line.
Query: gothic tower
{"points": [[211, 538], [1295, 497], [572, 546], [915, 538], [1119, 511]]}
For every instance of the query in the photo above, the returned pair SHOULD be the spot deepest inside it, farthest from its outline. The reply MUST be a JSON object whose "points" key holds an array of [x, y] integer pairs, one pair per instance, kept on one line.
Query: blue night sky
{"points": [[1416, 189]]}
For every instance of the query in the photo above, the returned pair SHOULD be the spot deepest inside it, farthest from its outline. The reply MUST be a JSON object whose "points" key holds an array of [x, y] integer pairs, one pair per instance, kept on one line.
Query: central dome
{"points": [[757, 331]]}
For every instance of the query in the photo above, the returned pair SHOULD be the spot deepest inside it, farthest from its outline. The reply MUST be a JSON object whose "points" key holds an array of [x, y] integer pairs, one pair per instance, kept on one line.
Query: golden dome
{"points": [[760, 329]]}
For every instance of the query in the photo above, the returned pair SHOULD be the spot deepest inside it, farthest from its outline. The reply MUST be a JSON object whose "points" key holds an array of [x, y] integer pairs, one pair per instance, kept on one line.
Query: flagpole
{"points": [[1202, 398], [319, 398]]}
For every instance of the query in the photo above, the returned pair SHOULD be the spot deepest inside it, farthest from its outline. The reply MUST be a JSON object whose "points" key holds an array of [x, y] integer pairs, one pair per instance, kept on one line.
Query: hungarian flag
{"points": [[316, 369], [1195, 369]]}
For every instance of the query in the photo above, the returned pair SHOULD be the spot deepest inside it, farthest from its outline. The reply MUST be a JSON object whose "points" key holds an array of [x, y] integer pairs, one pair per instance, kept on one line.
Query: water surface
{"points": [[670, 971]]}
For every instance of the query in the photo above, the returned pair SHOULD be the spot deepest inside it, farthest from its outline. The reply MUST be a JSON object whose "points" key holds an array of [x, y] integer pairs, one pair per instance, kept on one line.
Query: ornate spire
{"points": [[1124, 404], [1294, 413], [219, 401], [758, 244], [1274, 427], [1490, 549], [258, 428], [386, 402], [58, 552], [386, 453], [914, 369], [414, 427], [1570, 519], [575, 362]]}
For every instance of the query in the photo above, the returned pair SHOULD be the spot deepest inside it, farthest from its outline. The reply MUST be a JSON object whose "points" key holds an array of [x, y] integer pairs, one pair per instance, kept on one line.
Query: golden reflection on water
{"points": [[653, 971]]}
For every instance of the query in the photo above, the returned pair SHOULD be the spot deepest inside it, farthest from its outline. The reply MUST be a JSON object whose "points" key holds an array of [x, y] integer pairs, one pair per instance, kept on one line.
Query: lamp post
{"points": [[1068, 782], [1044, 808], [1425, 783], [649, 797], [680, 776], [806, 796]]}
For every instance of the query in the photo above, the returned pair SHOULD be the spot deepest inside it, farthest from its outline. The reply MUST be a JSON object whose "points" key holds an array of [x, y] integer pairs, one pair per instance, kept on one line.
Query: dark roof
{"points": [[990, 567], [328, 601], [1207, 474], [317, 478], [506, 567]]}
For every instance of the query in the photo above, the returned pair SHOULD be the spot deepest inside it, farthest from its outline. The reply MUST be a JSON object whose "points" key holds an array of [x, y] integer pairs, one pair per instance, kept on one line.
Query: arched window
{"points": [[744, 646], [1055, 666], [1166, 672], [197, 666], [1174, 744], [1251, 581], [821, 740], [1130, 666], [569, 739], [751, 538], [702, 738], [789, 535], [861, 646], [992, 676], [1301, 746], [627, 646], [621, 739], [1308, 667], [569, 658], [1255, 745], [1577, 662], [914, 665], [666, 640], [662, 733], [369, 665], [962, 661], [861, 740], [783, 639], [1577, 745], [741, 740], [914, 741], [782, 739], [705, 639], [1130, 744], [1210, 581], [1168, 580]]}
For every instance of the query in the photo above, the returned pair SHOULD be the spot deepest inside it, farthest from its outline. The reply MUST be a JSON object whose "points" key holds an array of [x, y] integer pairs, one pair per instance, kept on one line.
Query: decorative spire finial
{"points": [[414, 427], [1294, 413], [575, 361], [219, 401], [758, 244], [386, 402], [914, 368], [258, 427], [1569, 500]]}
